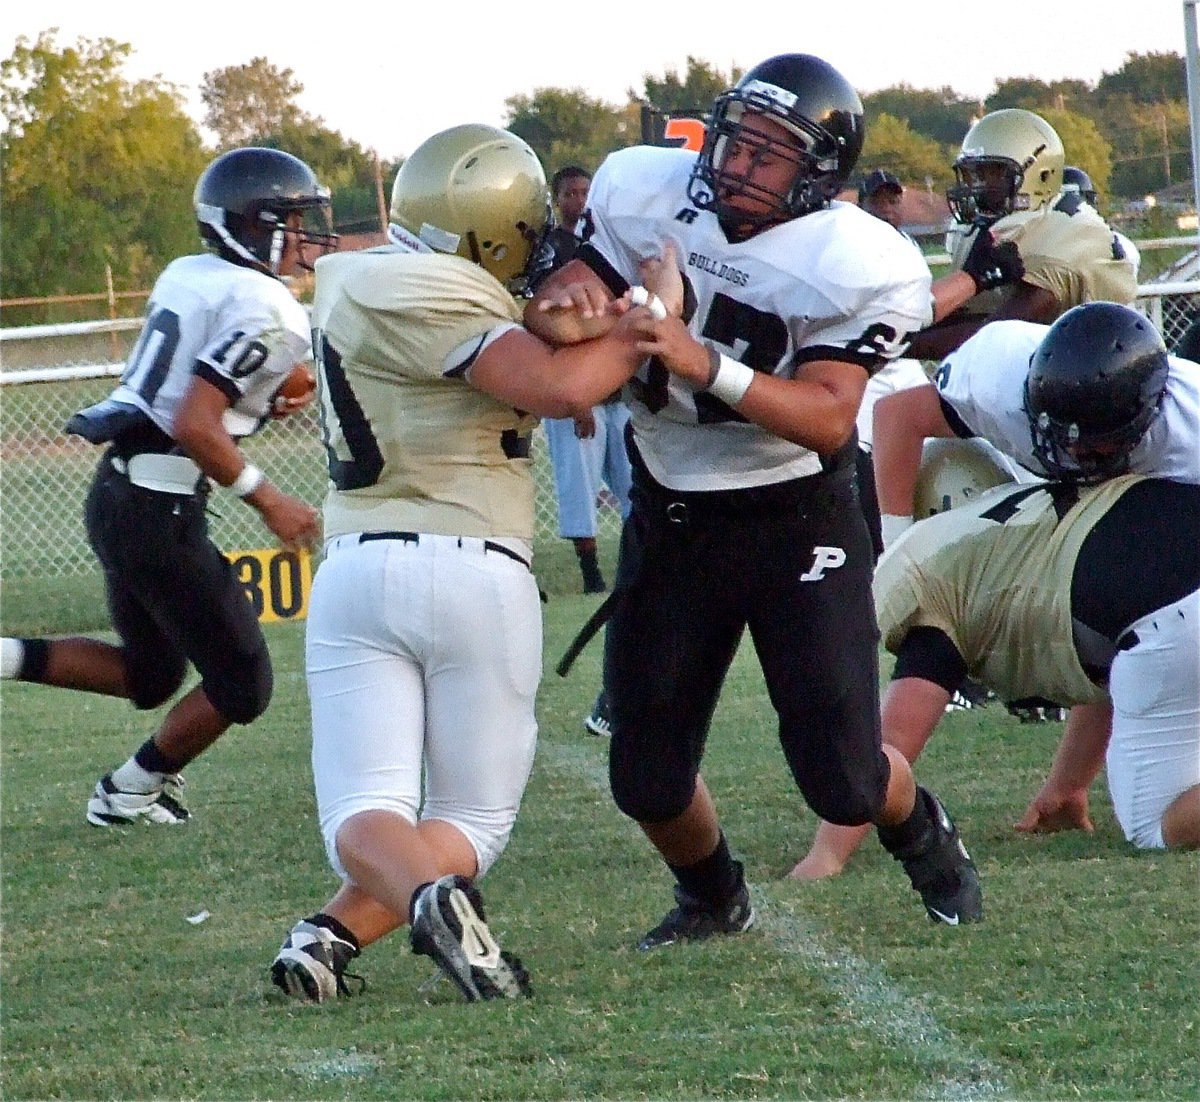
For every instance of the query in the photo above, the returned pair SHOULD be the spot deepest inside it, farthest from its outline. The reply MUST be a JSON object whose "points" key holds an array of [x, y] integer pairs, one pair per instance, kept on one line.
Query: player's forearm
{"points": [[896, 447], [586, 374], [950, 292], [1080, 754], [567, 327], [944, 336]]}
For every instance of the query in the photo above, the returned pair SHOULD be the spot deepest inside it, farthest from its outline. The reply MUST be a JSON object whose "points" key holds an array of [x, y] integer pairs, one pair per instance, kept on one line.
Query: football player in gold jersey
{"points": [[1049, 591], [424, 639], [1010, 178]]}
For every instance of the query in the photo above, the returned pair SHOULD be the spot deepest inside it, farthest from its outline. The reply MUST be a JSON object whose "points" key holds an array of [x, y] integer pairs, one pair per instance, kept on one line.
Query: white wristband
{"points": [[248, 481], [891, 526], [731, 381], [639, 296]]}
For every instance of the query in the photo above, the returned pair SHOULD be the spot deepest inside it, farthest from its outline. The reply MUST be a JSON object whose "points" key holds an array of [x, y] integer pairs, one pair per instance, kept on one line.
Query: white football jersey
{"points": [[238, 328], [983, 381], [837, 279]]}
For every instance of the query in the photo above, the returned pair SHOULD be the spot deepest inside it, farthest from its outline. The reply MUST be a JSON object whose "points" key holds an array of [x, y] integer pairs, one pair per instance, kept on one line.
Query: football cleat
{"points": [[941, 870], [449, 925], [597, 721], [109, 806], [312, 964], [694, 920]]}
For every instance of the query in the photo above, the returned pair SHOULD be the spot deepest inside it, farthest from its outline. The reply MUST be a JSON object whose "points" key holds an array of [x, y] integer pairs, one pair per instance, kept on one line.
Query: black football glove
{"points": [[991, 265]]}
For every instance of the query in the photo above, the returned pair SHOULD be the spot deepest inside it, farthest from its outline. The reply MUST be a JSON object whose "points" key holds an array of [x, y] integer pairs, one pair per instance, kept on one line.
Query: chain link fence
{"points": [[49, 372], [44, 474]]}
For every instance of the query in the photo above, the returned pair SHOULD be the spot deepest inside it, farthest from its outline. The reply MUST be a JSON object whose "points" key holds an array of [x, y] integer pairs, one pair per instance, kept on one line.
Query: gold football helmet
{"points": [[954, 472], [1011, 160], [479, 192]]}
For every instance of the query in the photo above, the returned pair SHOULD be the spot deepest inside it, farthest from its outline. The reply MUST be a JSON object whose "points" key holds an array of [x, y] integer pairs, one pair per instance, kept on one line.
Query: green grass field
{"points": [[1081, 983]]}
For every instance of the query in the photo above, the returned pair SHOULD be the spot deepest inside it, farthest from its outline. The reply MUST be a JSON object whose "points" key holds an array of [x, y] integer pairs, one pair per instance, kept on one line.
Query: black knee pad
{"points": [[850, 805], [647, 799], [242, 690], [152, 685]]}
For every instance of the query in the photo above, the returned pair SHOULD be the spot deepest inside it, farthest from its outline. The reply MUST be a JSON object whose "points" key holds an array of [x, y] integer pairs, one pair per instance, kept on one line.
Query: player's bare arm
{"points": [[901, 423], [1062, 802], [526, 372], [200, 432]]}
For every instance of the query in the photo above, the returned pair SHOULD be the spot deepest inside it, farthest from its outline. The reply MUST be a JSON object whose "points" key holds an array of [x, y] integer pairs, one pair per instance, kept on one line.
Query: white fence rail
{"points": [[44, 474]]}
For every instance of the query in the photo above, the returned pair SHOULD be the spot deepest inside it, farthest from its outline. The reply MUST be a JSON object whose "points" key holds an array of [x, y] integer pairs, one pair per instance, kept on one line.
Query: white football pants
{"points": [[423, 656], [1154, 753]]}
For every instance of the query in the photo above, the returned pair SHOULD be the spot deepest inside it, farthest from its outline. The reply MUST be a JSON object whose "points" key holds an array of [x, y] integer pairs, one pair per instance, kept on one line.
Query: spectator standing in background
{"points": [[587, 452]]}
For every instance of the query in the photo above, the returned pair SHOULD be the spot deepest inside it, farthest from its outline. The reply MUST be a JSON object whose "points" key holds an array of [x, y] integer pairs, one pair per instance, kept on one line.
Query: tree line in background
{"points": [[98, 169]]}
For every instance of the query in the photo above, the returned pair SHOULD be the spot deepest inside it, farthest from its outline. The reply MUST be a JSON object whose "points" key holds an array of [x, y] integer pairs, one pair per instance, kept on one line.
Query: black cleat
{"points": [[598, 721], [942, 871], [693, 920], [311, 964]]}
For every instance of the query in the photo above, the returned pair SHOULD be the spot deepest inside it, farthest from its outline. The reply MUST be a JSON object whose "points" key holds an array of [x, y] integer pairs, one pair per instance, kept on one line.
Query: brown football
{"points": [[299, 384]]}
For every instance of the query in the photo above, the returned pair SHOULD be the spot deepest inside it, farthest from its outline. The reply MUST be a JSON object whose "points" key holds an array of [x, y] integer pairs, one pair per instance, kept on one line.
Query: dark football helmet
{"points": [[243, 200], [1096, 382], [816, 104], [1078, 181]]}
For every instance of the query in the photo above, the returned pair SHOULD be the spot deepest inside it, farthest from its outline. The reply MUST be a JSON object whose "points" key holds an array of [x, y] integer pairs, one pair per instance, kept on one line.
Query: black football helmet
{"points": [[1076, 180], [816, 104], [244, 197], [1096, 382]]}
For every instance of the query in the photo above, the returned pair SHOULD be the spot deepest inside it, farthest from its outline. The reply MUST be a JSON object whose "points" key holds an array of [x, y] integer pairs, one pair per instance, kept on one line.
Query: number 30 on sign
{"points": [[276, 582]]}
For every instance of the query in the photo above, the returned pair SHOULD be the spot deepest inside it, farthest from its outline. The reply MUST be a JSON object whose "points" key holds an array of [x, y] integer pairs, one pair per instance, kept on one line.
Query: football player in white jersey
{"points": [[424, 640], [1048, 591], [1101, 368], [744, 511], [222, 333], [1010, 175]]}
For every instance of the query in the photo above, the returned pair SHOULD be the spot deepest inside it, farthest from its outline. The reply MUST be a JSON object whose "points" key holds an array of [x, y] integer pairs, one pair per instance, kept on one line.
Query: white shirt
{"points": [[983, 381], [239, 328], [836, 279]]}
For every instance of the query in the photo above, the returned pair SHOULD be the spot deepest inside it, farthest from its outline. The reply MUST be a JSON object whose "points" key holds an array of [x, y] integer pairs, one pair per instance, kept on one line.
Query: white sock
{"points": [[131, 777], [12, 658]]}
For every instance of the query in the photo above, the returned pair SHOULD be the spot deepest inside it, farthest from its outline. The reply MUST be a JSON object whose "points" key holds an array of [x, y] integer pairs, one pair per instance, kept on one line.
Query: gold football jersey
{"points": [[411, 445], [1070, 255], [995, 576]]}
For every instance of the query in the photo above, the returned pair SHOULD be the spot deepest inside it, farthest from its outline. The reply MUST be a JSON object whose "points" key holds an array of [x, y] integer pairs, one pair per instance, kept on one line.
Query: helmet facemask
{"points": [[811, 148], [261, 239], [1076, 453], [988, 189]]}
